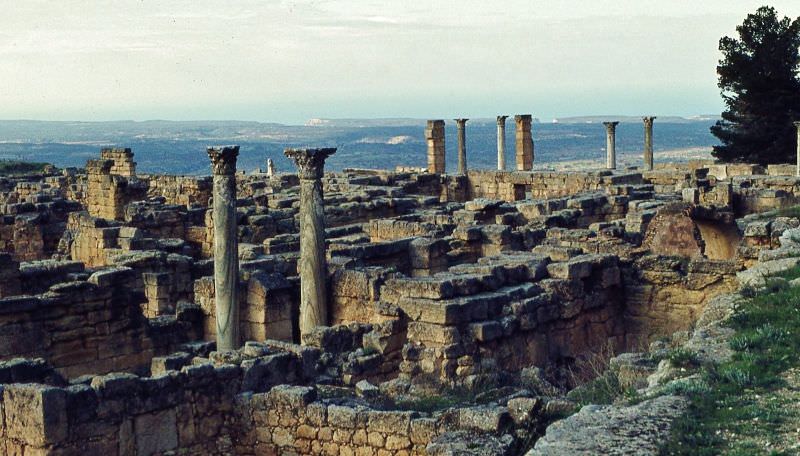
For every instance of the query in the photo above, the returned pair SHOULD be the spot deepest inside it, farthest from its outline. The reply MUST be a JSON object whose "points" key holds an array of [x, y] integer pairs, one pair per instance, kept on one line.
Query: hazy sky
{"points": [[288, 61]]}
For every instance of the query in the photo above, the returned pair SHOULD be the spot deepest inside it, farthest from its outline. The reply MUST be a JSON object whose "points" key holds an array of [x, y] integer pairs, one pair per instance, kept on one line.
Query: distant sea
{"points": [[377, 146]]}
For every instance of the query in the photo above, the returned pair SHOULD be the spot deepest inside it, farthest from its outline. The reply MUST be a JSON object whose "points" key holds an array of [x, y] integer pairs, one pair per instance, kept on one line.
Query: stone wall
{"points": [[268, 305], [238, 407], [665, 294], [31, 226], [505, 312], [181, 190], [292, 420], [107, 194], [355, 293], [515, 186], [9, 276], [123, 161], [91, 326]]}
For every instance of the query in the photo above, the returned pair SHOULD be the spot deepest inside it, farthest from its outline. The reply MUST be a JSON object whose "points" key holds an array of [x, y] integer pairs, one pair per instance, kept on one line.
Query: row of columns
{"points": [[434, 135], [611, 143], [311, 266]]}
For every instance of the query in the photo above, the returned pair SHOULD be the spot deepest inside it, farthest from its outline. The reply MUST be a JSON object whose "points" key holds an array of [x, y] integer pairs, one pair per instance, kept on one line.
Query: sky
{"points": [[289, 61]]}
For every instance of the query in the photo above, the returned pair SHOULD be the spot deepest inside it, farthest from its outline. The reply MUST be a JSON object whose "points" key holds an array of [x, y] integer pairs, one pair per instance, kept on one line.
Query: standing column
{"points": [[501, 143], [524, 142], [611, 144], [312, 268], [797, 125], [434, 135], [226, 248], [648, 143], [462, 145]]}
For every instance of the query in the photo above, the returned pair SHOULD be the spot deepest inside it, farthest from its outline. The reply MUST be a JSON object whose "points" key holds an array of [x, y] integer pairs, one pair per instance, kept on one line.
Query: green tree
{"points": [[758, 78]]}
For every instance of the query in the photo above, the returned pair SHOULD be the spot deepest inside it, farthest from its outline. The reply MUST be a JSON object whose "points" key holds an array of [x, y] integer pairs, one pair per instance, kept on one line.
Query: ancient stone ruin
{"points": [[362, 312]]}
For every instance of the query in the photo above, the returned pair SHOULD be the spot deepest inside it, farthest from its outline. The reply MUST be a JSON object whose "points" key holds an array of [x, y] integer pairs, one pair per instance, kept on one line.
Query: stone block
{"points": [[487, 418], [390, 422], [156, 433], [570, 270], [35, 414], [485, 331]]}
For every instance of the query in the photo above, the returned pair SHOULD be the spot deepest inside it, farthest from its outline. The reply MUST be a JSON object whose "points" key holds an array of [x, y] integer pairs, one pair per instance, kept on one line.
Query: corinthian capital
{"points": [[310, 162], [223, 159]]}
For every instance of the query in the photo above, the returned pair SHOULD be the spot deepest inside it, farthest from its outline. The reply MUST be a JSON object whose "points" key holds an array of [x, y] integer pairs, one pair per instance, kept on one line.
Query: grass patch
{"points": [[680, 357], [12, 167], [605, 389], [791, 211], [736, 408], [447, 397]]}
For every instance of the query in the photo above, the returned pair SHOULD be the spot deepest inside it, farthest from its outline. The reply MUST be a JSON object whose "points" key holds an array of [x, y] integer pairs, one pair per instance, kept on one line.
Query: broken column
{"points": [[270, 167], [611, 144], [313, 304], [434, 134], [501, 143], [524, 142], [797, 125], [226, 248], [461, 124], [648, 143]]}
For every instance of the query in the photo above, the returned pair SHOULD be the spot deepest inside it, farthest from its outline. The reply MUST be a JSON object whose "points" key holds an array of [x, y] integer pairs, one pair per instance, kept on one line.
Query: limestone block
{"points": [[487, 418], [35, 414], [576, 268], [343, 416], [485, 331], [390, 422], [422, 287], [156, 432]]}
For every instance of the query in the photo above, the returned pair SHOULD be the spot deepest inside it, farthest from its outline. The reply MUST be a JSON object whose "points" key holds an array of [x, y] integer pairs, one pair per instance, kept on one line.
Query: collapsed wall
{"points": [[94, 325]]}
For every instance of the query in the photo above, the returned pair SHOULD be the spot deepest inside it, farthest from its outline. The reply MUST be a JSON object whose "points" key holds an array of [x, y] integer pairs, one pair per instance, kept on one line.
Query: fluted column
{"points": [[313, 277], [611, 144], [270, 167], [501, 143], [226, 248], [434, 135], [797, 125], [461, 124], [648, 143], [524, 140]]}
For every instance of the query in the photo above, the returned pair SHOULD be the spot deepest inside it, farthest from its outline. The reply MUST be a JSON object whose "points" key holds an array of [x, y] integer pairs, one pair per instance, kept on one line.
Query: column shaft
{"points": [[797, 125], [524, 142], [611, 144], [312, 266], [226, 249], [434, 135], [461, 124], [501, 143], [648, 143]]}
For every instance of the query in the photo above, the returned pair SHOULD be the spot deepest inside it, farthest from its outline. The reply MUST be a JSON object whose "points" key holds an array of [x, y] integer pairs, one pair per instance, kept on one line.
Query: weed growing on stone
{"points": [[737, 406], [597, 383], [680, 357], [791, 211]]}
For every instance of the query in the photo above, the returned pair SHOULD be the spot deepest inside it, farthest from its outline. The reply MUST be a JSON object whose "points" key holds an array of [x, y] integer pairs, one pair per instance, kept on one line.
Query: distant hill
{"points": [[636, 119], [162, 146]]}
